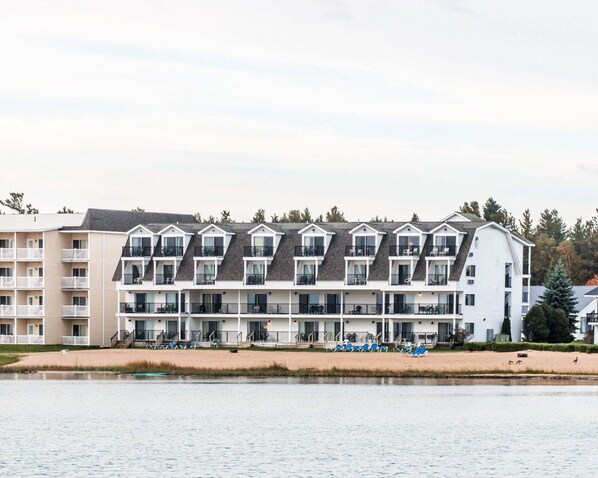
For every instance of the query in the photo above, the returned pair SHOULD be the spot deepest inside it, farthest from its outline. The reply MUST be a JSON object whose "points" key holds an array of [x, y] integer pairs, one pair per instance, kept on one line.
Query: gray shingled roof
{"points": [[122, 221]]}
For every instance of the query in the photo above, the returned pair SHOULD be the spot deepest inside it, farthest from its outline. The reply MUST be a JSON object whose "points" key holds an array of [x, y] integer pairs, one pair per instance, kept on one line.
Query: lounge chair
{"points": [[383, 348], [374, 347], [420, 351], [365, 348]]}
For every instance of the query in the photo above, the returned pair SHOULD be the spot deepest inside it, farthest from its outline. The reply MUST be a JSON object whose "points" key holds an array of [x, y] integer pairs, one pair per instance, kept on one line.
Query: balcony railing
{"points": [[8, 339], [309, 251], [209, 251], [269, 308], [214, 308], [258, 251], [397, 250], [170, 251], [146, 335], [205, 279], [360, 251], [7, 282], [437, 279], [164, 279], [400, 279], [7, 310], [149, 308], [441, 251], [306, 279], [30, 282], [7, 253], [592, 317], [254, 279], [137, 251], [30, 253], [362, 309], [74, 255], [30, 310], [30, 339], [75, 340], [75, 282], [132, 279], [75, 311], [318, 309], [356, 279], [425, 309]]}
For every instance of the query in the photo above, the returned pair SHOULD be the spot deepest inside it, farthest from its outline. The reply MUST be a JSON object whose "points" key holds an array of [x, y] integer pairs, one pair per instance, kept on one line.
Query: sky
{"points": [[381, 108]]}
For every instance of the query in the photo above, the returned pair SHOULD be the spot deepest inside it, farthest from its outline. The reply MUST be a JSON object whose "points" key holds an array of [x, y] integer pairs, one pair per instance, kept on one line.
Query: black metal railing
{"points": [[205, 279], [592, 317], [320, 309], [360, 251], [258, 251], [254, 279], [404, 251], [132, 279], [306, 279], [137, 251], [214, 308], [149, 308], [400, 279], [258, 336], [362, 309], [209, 251], [441, 251], [425, 309], [437, 279], [252, 308], [146, 335], [420, 337], [356, 279], [309, 251], [164, 279], [170, 251]]}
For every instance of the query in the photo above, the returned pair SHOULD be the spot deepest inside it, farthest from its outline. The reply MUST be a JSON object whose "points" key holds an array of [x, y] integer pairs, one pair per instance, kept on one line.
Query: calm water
{"points": [[287, 428]]}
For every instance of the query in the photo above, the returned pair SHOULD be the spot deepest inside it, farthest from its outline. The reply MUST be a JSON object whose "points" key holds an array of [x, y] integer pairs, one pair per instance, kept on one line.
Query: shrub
{"points": [[506, 327], [518, 346], [535, 328]]}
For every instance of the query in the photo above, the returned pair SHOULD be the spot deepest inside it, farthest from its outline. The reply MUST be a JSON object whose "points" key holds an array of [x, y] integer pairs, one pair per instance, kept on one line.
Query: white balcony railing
{"points": [[30, 253], [7, 253], [30, 339], [7, 310], [75, 282], [30, 282], [7, 282], [30, 310], [75, 311], [7, 339], [73, 255], [75, 340]]}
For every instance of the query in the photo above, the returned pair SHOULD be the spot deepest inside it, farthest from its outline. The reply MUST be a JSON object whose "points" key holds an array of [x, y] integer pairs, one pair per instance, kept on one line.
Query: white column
{"points": [[290, 318], [383, 315], [342, 319], [179, 321], [239, 312]]}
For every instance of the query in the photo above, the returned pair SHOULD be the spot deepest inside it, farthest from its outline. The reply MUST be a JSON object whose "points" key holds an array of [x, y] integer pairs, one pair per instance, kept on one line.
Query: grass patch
{"points": [[7, 359], [27, 348], [519, 346]]}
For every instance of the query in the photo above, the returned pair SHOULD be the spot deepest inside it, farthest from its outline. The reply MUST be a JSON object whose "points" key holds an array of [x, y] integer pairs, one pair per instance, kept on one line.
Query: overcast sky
{"points": [[382, 107]]}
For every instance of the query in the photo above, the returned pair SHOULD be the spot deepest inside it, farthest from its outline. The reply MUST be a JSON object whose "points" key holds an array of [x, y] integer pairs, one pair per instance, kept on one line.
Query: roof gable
{"points": [[407, 227], [173, 227], [446, 225], [140, 228], [261, 227], [207, 229], [364, 226], [314, 226]]}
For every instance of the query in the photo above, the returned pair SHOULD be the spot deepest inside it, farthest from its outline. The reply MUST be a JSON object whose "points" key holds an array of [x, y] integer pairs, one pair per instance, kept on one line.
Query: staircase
{"points": [[125, 342]]}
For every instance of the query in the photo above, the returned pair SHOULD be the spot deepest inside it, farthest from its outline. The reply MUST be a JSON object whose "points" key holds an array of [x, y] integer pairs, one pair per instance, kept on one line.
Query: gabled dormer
{"points": [[142, 241], [446, 240], [173, 242], [214, 242], [365, 241], [314, 241], [264, 241], [409, 240]]}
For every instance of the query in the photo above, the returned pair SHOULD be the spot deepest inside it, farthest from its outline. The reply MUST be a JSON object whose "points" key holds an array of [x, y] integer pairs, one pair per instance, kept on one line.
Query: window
{"points": [[5, 329], [80, 301], [78, 272], [79, 244], [79, 330], [470, 271], [5, 244], [470, 327], [469, 299]]}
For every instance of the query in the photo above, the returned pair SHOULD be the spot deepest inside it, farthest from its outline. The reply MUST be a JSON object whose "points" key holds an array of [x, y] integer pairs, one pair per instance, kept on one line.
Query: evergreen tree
{"points": [[534, 325], [335, 215], [558, 325], [526, 225], [306, 216], [66, 210], [225, 217], [506, 327], [559, 292], [15, 202], [472, 207], [493, 211], [415, 217], [552, 225], [137, 209], [259, 216]]}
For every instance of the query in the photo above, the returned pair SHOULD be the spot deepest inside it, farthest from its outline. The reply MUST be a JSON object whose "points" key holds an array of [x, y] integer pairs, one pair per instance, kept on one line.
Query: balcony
{"points": [[30, 254], [208, 251], [170, 251], [30, 339], [425, 309], [30, 310], [7, 253], [441, 251], [7, 282], [309, 251], [404, 251], [255, 279], [437, 279], [137, 251], [75, 255], [75, 311], [258, 251], [75, 283], [356, 279], [306, 279], [149, 308], [318, 309], [7, 339], [30, 282], [362, 309], [400, 279], [205, 279], [132, 279], [214, 308], [75, 340], [252, 308], [592, 317], [360, 251], [164, 279], [7, 310]]}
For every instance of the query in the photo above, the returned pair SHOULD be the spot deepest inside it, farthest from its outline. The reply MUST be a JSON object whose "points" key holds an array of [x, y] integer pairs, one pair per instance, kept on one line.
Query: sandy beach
{"points": [[450, 362]]}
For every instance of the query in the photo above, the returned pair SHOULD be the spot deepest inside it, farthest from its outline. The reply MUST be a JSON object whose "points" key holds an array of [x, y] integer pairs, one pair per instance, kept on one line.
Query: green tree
{"points": [[543, 256], [138, 209], [306, 216], [559, 292], [274, 218], [493, 211], [526, 225], [534, 325], [66, 210], [415, 218], [259, 216], [552, 225], [335, 215], [380, 219], [506, 327], [472, 207], [558, 325], [294, 215], [15, 202], [225, 217]]}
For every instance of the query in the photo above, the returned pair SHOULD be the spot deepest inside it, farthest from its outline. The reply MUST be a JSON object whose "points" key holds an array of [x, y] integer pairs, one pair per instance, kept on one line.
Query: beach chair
{"points": [[383, 348], [365, 348], [338, 348], [348, 347], [374, 347]]}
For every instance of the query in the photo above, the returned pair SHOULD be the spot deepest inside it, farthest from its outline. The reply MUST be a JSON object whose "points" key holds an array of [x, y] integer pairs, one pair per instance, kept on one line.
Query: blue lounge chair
{"points": [[338, 348], [419, 351], [383, 348], [365, 348], [374, 348], [348, 347]]}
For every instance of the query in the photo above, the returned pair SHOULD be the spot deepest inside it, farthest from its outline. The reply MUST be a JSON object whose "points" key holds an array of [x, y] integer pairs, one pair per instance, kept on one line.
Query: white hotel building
{"points": [[315, 283]]}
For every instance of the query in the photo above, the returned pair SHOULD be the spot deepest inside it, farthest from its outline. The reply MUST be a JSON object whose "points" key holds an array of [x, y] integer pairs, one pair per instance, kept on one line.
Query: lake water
{"points": [[287, 427]]}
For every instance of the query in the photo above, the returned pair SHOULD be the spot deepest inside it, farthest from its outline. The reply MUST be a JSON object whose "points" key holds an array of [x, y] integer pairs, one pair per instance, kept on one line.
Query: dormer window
{"points": [[172, 246], [313, 246], [262, 246], [409, 245], [365, 245], [213, 246], [140, 246]]}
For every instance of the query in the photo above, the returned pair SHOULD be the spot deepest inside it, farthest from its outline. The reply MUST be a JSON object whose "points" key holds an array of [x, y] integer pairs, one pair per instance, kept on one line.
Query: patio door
{"points": [[332, 329], [403, 331], [140, 330], [384, 335], [140, 302], [333, 302], [31, 329], [445, 330], [256, 330], [257, 303], [309, 330], [210, 330]]}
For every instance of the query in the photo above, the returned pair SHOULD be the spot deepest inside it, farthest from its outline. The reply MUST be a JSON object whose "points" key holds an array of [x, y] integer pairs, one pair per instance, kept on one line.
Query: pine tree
{"points": [[558, 325], [493, 211], [526, 225], [259, 216], [335, 215], [15, 202], [552, 225], [472, 207], [225, 217], [415, 217], [506, 327], [534, 325], [559, 292]]}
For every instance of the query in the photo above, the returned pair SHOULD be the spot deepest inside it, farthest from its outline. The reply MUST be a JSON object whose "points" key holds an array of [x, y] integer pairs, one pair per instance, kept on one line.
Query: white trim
{"points": [[365, 224], [163, 231], [447, 224], [140, 226], [302, 231], [267, 227], [399, 229]]}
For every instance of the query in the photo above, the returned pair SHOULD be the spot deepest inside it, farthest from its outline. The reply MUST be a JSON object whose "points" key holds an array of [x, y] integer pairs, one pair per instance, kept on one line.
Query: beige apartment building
{"points": [[56, 274]]}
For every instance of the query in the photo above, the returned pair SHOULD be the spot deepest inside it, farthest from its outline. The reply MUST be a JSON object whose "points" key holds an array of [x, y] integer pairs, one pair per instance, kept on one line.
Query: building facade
{"points": [[315, 283]]}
